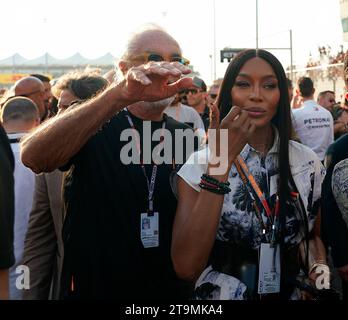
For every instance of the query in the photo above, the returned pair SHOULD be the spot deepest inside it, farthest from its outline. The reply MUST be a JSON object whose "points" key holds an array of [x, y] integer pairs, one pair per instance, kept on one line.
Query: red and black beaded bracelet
{"points": [[213, 185]]}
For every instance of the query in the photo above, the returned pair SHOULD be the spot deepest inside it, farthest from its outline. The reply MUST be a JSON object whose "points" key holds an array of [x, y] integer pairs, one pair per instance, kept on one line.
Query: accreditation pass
{"points": [[149, 232]]}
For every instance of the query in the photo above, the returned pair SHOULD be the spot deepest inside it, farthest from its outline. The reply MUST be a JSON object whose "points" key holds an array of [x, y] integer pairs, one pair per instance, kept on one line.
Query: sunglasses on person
{"points": [[26, 95], [62, 107], [187, 91], [213, 96], [158, 58]]}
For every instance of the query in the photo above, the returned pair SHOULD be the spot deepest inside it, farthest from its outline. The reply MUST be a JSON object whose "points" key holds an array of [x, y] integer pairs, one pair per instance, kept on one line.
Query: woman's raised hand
{"points": [[229, 137]]}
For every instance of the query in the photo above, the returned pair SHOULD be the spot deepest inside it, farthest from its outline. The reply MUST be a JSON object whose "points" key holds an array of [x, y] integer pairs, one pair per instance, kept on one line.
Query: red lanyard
{"points": [[246, 175], [151, 183]]}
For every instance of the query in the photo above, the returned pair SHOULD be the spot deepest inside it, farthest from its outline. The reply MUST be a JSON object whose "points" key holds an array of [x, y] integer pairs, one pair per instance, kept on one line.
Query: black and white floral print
{"points": [[239, 222], [340, 187]]}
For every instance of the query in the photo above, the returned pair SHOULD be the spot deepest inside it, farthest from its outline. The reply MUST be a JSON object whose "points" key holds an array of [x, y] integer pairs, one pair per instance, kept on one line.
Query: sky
{"points": [[96, 27]]}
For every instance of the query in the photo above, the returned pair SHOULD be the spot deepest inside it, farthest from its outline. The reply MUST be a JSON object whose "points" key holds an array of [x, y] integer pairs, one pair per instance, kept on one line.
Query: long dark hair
{"points": [[281, 120]]}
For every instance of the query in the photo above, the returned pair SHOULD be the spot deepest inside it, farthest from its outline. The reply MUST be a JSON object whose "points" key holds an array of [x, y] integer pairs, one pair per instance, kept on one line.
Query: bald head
{"points": [[34, 89], [150, 39], [150, 44], [26, 85], [19, 114], [141, 40]]}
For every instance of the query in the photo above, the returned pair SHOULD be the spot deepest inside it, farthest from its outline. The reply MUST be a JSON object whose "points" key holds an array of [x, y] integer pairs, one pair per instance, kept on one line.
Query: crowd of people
{"points": [[146, 184]]}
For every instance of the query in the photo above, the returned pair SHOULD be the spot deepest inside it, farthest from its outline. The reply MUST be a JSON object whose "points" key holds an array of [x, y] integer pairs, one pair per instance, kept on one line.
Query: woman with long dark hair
{"points": [[246, 226]]}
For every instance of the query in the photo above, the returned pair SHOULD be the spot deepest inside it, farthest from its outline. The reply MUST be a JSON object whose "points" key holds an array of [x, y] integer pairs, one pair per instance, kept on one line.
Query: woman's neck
{"points": [[262, 139]]}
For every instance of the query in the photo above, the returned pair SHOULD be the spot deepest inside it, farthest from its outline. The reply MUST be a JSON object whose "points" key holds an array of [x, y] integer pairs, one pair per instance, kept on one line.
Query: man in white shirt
{"points": [[19, 116], [312, 123], [197, 99], [183, 113]]}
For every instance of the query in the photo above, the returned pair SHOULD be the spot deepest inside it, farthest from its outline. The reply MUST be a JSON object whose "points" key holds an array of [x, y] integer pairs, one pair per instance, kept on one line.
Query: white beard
{"points": [[161, 104]]}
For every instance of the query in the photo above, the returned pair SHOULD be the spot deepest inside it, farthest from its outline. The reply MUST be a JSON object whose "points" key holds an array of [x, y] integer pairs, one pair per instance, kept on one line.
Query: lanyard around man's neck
{"points": [[151, 183]]}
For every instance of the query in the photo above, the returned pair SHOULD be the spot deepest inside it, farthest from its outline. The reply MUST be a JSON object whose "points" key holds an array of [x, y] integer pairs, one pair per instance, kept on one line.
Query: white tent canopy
{"points": [[46, 59]]}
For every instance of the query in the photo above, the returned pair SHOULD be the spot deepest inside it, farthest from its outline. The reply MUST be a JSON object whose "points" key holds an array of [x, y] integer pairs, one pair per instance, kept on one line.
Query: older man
{"points": [[107, 253], [34, 89]]}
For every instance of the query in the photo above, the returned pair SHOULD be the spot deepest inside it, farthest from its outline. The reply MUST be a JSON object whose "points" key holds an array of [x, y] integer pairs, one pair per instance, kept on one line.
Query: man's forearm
{"points": [[56, 141], [4, 286]]}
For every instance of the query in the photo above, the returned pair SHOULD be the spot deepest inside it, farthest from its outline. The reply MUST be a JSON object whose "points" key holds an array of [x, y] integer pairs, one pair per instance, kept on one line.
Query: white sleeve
{"points": [[319, 175], [197, 164], [293, 118], [331, 138], [198, 127]]}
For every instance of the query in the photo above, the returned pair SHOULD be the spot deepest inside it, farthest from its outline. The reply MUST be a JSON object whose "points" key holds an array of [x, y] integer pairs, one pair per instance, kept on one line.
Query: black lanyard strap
{"points": [[152, 182]]}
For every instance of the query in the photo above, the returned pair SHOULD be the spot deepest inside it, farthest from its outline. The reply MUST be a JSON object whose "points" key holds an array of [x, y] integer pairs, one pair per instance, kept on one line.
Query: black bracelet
{"points": [[213, 180], [214, 190], [213, 185]]}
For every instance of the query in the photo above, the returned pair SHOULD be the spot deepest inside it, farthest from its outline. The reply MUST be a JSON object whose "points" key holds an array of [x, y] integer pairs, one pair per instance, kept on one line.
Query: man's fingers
{"points": [[165, 68], [138, 75], [175, 87], [183, 69], [165, 74]]}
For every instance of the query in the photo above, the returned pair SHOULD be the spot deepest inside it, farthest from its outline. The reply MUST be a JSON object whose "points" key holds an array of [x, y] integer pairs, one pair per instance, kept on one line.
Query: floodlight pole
{"points": [[214, 40], [257, 24], [291, 57]]}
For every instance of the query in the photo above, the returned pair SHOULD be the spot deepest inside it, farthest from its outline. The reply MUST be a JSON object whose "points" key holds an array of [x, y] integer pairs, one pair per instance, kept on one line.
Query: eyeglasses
{"points": [[157, 58], [192, 91], [64, 107], [213, 96]]}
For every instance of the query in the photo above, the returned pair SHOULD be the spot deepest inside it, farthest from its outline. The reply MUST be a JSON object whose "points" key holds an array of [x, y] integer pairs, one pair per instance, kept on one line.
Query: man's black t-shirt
{"points": [[206, 118], [104, 255], [6, 202]]}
